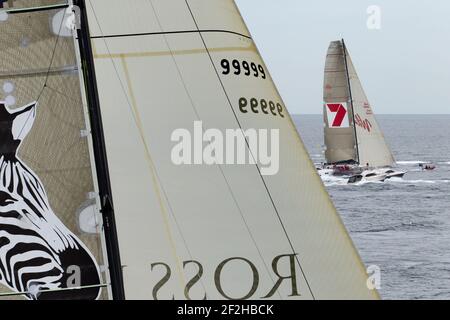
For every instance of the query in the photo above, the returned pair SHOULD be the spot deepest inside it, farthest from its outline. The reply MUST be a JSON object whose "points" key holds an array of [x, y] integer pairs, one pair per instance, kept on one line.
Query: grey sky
{"points": [[404, 66]]}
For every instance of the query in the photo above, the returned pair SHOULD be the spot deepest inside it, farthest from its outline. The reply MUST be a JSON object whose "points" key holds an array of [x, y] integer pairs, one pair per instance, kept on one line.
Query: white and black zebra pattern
{"points": [[37, 251]]}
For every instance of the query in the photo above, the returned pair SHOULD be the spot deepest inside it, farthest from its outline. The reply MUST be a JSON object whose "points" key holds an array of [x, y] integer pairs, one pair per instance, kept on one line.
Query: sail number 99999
{"points": [[244, 67], [262, 105]]}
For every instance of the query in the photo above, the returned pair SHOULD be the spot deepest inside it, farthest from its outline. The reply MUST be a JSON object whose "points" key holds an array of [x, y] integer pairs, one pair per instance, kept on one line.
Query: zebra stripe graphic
{"points": [[37, 251]]}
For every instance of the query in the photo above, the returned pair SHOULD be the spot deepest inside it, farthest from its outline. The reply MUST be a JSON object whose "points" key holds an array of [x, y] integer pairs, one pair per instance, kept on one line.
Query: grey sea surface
{"points": [[402, 225]]}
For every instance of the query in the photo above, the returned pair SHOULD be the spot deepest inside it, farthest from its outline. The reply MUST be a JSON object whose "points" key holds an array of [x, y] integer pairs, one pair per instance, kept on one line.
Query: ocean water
{"points": [[403, 225]]}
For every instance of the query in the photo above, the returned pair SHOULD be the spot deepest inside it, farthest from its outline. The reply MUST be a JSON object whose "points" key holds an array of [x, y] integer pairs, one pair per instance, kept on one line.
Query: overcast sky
{"points": [[404, 66]]}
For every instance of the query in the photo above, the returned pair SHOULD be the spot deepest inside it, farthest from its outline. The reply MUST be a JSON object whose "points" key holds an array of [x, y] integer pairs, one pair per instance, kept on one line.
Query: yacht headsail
{"points": [[93, 196]]}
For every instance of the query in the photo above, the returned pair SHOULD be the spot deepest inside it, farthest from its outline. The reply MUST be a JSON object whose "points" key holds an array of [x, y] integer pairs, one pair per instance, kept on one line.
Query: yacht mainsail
{"points": [[109, 98], [352, 133]]}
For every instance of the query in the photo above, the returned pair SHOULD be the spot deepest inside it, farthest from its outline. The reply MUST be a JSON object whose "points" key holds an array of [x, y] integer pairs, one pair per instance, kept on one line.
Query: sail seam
{"points": [[143, 54], [233, 196], [256, 165], [110, 233], [47, 74], [219, 166], [152, 167], [21, 293], [51, 60], [169, 32]]}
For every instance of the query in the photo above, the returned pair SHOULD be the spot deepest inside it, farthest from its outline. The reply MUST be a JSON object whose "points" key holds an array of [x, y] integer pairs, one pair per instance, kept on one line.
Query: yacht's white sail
{"points": [[360, 138], [208, 231]]}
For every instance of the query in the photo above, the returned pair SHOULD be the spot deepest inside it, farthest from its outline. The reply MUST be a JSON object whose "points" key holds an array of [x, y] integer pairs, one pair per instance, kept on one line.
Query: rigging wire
{"points": [[51, 59], [198, 117]]}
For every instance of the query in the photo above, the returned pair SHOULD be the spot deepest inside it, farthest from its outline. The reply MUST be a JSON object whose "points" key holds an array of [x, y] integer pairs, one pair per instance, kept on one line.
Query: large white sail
{"points": [[351, 130], [372, 147], [208, 231]]}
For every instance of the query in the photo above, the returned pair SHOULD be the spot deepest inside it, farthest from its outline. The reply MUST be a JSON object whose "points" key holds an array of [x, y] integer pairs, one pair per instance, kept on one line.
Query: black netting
{"points": [[38, 65]]}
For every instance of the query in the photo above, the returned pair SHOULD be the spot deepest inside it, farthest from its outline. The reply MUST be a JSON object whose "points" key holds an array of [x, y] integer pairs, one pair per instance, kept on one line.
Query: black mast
{"points": [[101, 162], [351, 99]]}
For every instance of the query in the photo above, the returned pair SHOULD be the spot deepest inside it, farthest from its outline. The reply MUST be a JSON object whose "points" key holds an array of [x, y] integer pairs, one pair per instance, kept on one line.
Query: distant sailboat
{"points": [[353, 138], [91, 197]]}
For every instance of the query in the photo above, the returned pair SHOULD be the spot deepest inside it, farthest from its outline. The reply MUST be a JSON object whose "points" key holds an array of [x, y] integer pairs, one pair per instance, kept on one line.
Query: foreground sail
{"points": [[47, 187], [208, 231], [352, 134]]}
